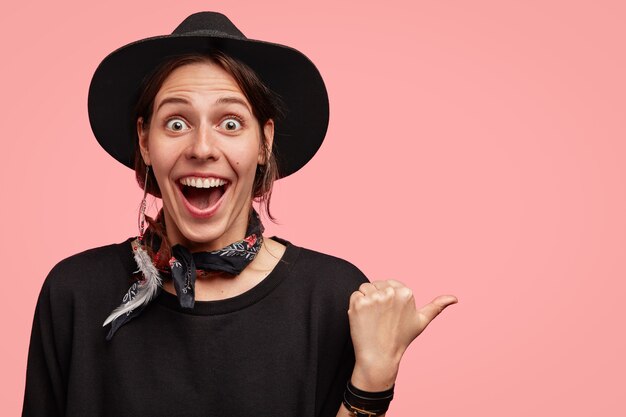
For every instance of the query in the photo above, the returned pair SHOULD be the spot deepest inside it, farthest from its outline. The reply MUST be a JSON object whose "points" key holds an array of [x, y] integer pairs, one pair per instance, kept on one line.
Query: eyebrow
{"points": [[234, 100], [221, 100], [172, 100]]}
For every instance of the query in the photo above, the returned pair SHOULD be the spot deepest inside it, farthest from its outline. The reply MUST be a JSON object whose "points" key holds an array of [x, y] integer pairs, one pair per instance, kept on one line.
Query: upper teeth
{"points": [[202, 182]]}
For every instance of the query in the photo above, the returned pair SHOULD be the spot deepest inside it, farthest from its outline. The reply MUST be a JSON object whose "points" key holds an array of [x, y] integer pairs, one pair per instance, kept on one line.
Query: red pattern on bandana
{"points": [[250, 240]]}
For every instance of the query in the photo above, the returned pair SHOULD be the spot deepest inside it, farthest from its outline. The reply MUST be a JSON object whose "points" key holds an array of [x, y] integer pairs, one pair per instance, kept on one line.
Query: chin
{"points": [[214, 232], [204, 235]]}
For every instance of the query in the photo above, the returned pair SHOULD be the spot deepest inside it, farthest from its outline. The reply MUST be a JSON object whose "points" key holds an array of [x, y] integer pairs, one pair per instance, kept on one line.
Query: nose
{"points": [[203, 144]]}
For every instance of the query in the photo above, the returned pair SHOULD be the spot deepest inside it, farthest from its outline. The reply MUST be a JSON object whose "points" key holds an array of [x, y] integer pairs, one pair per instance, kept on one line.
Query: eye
{"points": [[177, 125], [231, 123]]}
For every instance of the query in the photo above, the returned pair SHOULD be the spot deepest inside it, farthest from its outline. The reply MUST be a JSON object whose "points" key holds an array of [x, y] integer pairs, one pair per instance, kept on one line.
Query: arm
{"points": [[49, 342], [383, 323]]}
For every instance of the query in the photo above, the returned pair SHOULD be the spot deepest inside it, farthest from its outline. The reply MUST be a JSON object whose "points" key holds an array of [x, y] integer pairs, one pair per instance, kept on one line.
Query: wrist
{"points": [[374, 377]]}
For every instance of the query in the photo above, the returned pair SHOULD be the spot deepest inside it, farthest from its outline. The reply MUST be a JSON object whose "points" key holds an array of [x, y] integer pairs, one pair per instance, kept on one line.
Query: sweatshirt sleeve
{"points": [[49, 351]]}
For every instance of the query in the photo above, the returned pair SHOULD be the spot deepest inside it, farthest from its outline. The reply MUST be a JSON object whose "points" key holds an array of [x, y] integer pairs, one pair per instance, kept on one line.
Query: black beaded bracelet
{"points": [[366, 404]]}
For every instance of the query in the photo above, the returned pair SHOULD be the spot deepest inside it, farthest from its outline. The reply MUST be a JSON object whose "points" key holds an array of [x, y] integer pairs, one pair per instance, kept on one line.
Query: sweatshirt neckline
{"points": [[243, 300]]}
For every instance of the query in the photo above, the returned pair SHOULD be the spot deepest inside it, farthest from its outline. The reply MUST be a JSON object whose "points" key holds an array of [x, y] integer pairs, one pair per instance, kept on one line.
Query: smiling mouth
{"points": [[202, 193]]}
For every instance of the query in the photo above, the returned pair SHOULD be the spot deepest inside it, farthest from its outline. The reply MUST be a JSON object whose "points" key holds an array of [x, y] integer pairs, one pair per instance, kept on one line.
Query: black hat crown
{"points": [[208, 23]]}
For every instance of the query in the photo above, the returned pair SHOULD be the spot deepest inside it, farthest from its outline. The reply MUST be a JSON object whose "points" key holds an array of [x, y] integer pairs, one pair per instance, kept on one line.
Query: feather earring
{"points": [[143, 291]]}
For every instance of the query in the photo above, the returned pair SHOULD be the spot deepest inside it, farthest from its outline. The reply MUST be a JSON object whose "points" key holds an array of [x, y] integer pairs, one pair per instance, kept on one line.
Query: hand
{"points": [[383, 323]]}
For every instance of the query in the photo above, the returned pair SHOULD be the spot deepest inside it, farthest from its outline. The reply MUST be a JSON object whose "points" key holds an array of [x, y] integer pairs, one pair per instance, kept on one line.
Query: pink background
{"points": [[481, 141]]}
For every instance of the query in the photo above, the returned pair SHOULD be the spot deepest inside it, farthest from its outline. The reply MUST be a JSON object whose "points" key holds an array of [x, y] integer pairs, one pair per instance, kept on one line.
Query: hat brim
{"points": [[114, 90]]}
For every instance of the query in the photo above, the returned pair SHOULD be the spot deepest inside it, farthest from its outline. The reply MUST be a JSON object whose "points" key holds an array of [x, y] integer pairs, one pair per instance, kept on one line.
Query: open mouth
{"points": [[202, 193]]}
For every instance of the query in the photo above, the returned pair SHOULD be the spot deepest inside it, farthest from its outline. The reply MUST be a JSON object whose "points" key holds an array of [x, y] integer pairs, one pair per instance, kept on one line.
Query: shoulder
{"points": [[94, 260], [322, 281], [325, 269], [80, 290], [331, 264], [95, 265]]}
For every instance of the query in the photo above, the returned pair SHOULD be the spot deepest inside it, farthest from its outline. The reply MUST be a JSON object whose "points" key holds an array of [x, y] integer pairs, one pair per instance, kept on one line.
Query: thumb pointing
{"points": [[431, 310]]}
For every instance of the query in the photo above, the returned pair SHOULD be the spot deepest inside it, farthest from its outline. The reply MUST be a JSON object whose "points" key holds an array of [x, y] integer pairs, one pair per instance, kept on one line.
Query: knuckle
{"points": [[355, 297], [423, 318], [405, 292], [360, 302], [377, 296]]}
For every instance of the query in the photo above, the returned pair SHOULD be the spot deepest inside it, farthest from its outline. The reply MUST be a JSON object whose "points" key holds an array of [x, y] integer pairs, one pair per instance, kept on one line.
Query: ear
{"points": [[142, 134], [268, 130]]}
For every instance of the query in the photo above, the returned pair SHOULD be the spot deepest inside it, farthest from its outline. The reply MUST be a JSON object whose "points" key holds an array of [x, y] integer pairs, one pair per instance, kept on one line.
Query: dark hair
{"points": [[265, 105]]}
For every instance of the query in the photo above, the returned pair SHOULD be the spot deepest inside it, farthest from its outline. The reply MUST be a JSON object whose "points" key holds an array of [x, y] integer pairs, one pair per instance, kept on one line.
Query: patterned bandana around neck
{"points": [[182, 267]]}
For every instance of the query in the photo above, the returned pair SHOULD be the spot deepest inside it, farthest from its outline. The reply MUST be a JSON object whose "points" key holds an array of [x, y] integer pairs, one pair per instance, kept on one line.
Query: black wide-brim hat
{"points": [[115, 87]]}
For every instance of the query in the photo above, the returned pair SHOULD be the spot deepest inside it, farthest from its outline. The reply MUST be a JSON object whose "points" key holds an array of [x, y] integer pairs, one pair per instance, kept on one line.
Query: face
{"points": [[203, 145]]}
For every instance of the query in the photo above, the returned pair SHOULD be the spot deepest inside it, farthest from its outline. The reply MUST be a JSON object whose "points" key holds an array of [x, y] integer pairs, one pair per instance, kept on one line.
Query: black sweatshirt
{"points": [[282, 348]]}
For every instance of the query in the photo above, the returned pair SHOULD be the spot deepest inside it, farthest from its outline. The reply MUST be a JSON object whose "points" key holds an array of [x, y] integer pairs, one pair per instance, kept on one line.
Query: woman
{"points": [[215, 318]]}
